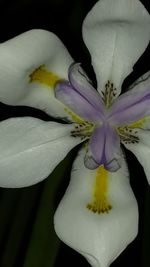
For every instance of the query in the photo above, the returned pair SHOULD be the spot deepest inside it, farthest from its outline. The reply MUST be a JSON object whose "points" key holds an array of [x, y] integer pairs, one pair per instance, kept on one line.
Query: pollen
{"points": [[100, 203], [43, 76]]}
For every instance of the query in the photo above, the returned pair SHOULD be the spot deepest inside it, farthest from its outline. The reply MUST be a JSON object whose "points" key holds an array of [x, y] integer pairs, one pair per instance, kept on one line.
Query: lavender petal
{"points": [[112, 149], [76, 102], [89, 162], [104, 148], [97, 145], [80, 82], [130, 107], [113, 166]]}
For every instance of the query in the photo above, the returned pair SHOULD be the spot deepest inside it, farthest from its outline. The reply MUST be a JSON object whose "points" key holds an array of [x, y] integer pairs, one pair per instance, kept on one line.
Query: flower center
{"points": [[92, 114]]}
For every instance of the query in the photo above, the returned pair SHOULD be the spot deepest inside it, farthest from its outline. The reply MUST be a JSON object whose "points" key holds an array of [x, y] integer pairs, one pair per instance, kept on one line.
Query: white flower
{"points": [[98, 215]]}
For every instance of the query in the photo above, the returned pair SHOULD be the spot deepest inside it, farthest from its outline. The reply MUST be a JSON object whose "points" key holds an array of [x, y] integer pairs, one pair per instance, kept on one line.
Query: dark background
{"points": [[27, 238]]}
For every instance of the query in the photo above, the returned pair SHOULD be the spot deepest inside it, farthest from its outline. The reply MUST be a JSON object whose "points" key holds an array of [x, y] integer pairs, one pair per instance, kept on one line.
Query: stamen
{"points": [[83, 130], [100, 203], [109, 94], [128, 135], [43, 76]]}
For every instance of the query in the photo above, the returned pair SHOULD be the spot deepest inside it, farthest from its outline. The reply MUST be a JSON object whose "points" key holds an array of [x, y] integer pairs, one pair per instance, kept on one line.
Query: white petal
{"points": [[99, 237], [23, 54], [30, 149], [141, 83], [116, 33], [142, 150]]}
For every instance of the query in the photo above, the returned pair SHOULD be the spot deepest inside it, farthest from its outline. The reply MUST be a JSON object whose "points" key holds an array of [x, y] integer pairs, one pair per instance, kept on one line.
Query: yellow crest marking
{"points": [[74, 116], [43, 76], [100, 203], [138, 124]]}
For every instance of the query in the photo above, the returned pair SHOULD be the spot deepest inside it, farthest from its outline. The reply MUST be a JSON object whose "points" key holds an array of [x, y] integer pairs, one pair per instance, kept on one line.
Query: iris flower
{"points": [[98, 215]]}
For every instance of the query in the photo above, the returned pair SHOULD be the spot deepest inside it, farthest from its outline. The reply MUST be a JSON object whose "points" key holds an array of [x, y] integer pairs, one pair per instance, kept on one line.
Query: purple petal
{"points": [[80, 82], [97, 145], [104, 148], [130, 107], [76, 102], [90, 163], [113, 166]]}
